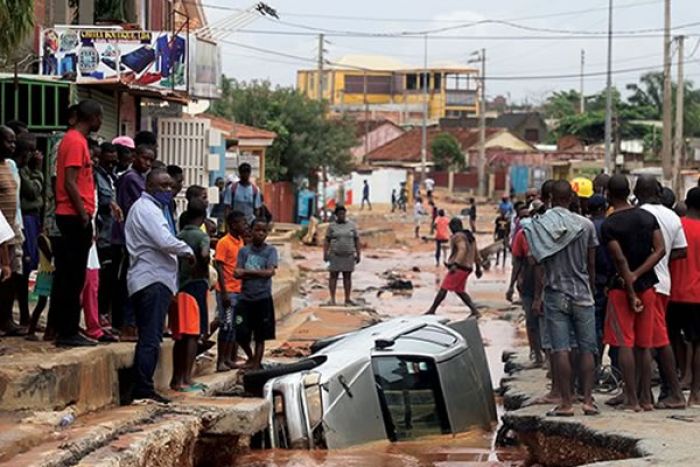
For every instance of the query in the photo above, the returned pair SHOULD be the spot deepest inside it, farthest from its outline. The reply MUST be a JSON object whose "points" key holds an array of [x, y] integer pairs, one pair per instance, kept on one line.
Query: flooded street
{"points": [[413, 261]]}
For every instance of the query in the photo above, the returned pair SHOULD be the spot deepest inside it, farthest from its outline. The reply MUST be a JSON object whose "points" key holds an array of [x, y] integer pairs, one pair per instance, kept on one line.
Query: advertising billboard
{"points": [[205, 69], [146, 58]]}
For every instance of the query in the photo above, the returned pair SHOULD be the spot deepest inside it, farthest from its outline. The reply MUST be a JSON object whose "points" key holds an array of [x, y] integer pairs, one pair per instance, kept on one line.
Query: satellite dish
{"points": [[197, 107]]}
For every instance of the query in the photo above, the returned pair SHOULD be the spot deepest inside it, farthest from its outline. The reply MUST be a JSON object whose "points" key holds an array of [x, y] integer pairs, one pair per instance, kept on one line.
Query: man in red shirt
{"points": [[684, 309], [75, 205]]}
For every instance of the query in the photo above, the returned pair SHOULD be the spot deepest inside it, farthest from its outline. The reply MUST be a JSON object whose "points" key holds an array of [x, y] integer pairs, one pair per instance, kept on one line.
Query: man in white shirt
{"points": [[648, 191]]}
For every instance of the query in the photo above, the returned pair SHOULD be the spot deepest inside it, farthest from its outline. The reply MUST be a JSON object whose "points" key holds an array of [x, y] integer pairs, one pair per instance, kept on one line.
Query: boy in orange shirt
{"points": [[228, 289]]}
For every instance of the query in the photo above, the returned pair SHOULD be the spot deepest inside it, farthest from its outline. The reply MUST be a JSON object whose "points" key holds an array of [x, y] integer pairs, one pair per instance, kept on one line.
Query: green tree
{"points": [[562, 104], [306, 138], [447, 154], [17, 19]]}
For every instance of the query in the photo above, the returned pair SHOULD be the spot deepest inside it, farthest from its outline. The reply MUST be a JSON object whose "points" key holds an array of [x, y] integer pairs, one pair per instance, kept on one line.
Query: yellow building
{"points": [[391, 91]]}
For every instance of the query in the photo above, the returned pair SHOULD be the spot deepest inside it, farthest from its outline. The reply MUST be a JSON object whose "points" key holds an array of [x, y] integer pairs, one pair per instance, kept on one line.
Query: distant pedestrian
{"points": [[152, 277], [365, 196], [403, 197], [255, 266], [341, 250], [75, 206], [464, 259], [394, 200], [472, 215], [500, 235], [433, 215], [505, 207], [243, 195], [429, 187], [442, 234], [418, 214]]}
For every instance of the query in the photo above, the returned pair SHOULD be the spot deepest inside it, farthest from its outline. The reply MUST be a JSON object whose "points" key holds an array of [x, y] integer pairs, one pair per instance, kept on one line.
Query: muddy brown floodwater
{"points": [[474, 448]]}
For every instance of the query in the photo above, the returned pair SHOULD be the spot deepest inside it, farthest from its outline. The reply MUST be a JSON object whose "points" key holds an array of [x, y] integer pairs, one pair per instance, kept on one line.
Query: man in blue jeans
{"points": [[564, 244], [152, 277]]}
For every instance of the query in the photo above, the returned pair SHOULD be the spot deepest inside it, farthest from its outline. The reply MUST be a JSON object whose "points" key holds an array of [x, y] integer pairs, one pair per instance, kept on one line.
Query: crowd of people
{"points": [[105, 237], [611, 267]]}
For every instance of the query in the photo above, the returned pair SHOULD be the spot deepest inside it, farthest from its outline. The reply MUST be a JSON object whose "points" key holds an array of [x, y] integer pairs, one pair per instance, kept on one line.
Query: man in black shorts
{"points": [[255, 318]]}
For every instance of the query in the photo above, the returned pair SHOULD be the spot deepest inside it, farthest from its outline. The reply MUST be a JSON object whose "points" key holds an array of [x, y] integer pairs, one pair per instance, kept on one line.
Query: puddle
{"points": [[475, 448], [466, 449]]}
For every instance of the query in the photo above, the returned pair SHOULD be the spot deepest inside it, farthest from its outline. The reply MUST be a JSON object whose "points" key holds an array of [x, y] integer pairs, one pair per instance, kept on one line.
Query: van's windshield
{"points": [[410, 396]]}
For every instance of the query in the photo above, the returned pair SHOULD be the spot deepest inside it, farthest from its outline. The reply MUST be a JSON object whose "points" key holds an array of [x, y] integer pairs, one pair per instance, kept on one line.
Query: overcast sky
{"points": [[519, 57]]}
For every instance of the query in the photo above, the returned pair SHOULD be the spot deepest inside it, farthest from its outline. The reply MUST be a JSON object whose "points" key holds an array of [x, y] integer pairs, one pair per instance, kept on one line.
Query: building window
{"points": [[411, 82], [423, 85], [355, 84], [437, 81]]}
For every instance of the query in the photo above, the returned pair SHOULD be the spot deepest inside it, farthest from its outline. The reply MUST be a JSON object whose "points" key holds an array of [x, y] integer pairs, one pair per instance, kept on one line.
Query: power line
{"points": [[489, 78], [454, 37], [427, 20], [472, 24]]}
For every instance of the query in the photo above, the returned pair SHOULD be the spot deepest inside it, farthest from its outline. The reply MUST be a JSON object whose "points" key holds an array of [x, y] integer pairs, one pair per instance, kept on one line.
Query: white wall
{"points": [[381, 182]]}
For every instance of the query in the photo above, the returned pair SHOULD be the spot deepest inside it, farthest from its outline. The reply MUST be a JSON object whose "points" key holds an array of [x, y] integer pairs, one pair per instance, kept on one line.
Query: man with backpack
{"points": [[243, 195]]}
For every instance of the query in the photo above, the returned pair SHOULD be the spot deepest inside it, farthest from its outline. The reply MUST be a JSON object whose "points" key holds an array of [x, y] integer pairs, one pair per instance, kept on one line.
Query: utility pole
{"points": [[678, 145], [609, 162], [319, 94], [667, 117], [481, 167], [424, 128], [582, 104]]}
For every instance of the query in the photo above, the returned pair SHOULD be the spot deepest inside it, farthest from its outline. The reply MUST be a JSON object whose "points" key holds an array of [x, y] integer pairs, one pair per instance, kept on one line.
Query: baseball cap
{"points": [[124, 141]]}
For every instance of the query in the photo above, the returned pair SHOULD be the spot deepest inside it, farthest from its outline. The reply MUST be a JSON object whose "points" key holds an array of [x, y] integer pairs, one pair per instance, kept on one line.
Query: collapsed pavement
{"points": [[663, 437]]}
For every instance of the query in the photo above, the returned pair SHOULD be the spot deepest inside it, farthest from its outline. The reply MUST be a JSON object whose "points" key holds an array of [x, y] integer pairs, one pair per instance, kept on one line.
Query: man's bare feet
{"points": [[429, 312], [222, 367], [670, 404], [694, 400], [547, 399], [647, 407]]}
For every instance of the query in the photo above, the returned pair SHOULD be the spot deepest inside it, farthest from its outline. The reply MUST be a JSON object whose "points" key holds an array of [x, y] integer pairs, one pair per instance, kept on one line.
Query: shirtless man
{"points": [[463, 259]]}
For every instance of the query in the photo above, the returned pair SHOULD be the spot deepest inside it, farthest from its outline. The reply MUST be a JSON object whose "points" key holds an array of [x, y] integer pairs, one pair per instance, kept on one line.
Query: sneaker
{"points": [[75, 341], [155, 397]]}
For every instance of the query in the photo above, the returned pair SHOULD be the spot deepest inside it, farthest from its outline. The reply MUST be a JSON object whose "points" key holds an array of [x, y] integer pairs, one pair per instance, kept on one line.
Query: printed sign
{"points": [[205, 69], [146, 58]]}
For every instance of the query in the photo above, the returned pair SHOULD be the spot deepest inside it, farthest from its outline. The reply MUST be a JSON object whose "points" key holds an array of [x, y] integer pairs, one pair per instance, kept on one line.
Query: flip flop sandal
{"points": [[591, 412], [199, 386], [555, 412], [188, 389]]}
